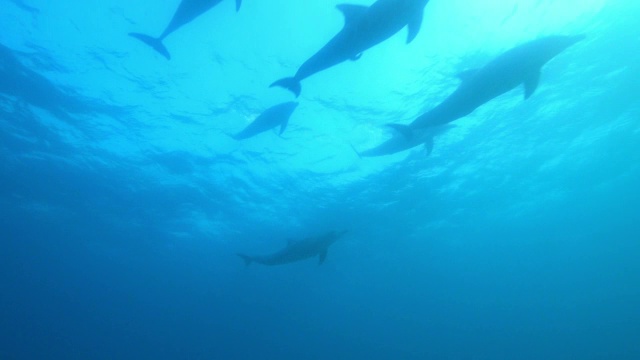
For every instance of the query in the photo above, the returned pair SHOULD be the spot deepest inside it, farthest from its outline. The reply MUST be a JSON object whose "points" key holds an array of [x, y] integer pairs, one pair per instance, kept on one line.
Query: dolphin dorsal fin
{"points": [[428, 145], [414, 26], [467, 74], [238, 3], [531, 84], [352, 13]]}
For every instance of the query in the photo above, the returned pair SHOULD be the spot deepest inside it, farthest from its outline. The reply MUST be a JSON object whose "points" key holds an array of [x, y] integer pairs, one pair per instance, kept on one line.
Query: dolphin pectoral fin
{"points": [[351, 12], [531, 84], [356, 57], [283, 126], [238, 3], [356, 151], [322, 257], [414, 26], [292, 84], [405, 130], [247, 259], [428, 146], [467, 74], [155, 43]]}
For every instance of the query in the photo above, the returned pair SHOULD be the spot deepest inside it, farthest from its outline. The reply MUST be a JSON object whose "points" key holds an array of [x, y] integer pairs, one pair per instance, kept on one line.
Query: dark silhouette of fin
{"points": [[356, 151], [352, 13], [414, 27], [405, 130], [322, 257], [531, 84], [155, 43], [292, 84], [247, 259], [428, 146], [238, 3]]}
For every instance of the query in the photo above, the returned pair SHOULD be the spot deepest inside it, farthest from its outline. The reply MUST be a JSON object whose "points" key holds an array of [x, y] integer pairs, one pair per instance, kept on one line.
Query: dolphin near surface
{"points": [[277, 115], [520, 65], [364, 27], [186, 12], [400, 143], [298, 250]]}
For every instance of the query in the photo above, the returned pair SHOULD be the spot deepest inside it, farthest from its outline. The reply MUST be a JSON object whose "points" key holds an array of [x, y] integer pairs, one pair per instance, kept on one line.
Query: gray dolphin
{"points": [[364, 27], [520, 65], [187, 11], [400, 142], [270, 118], [298, 250]]}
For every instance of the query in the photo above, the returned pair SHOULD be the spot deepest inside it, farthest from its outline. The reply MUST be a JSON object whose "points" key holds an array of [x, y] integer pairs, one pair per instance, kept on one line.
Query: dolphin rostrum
{"points": [[298, 250], [364, 27], [270, 118], [400, 143], [520, 65], [187, 11]]}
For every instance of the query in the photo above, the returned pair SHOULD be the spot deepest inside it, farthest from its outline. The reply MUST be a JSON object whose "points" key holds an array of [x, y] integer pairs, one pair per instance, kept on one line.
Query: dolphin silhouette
{"points": [[270, 118], [520, 65], [298, 250], [364, 27], [187, 11], [400, 142]]}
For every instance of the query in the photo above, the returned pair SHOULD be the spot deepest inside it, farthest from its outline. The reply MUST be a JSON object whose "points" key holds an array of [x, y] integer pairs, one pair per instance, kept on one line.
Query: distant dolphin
{"points": [[187, 11], [400, 143], [298, 250], [520, 65], [364, 27], [270, 118]]}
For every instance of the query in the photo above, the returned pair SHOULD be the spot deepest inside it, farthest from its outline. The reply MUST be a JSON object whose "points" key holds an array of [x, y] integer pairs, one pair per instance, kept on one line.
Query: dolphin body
{"points": [[520, 65], [187, 11], [364, 27], [270, 118], [400, 143], [298, 250]]}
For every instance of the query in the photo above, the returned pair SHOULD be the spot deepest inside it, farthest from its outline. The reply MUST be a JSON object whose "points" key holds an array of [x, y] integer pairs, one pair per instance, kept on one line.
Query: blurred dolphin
{"points": [[364, 27], [298, 250], [520, 65], [270, 118], [187, 11], [400, 143]]}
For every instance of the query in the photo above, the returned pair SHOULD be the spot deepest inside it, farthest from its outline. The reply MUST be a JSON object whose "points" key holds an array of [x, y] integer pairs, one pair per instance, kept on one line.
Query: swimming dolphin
{"points": [[364, 27], [298, 250], [187, 11], [270, 118], [400, 142], [520, 65]]}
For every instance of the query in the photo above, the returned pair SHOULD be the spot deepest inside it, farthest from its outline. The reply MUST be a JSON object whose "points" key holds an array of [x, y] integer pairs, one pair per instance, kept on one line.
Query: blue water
{"points": [[123, 201]]}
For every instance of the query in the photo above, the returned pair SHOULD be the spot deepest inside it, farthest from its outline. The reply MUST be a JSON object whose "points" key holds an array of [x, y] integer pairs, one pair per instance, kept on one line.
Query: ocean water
{"points": [[123, 199]]}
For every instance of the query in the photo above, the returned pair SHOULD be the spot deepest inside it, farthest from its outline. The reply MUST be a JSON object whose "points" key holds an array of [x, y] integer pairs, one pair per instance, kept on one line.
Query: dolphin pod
{"points": [[520, 65], [186, 12], [298, 250], [364, 27]]}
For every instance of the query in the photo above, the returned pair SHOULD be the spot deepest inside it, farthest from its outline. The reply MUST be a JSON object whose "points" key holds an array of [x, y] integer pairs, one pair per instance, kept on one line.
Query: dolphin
{"points": [[364, 27], [270, 118], [520, 65], [298, 250], [187, 11], [400, 143]]}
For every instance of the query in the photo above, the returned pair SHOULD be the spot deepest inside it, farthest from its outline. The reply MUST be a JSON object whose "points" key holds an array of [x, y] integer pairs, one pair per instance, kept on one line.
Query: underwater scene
{"points": [[378, 179]]}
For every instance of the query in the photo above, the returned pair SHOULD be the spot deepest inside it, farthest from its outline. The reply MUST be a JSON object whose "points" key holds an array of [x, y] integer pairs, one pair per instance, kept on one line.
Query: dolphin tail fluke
{"points": [[155, 43], [291, 83], [405, 130], [247, 259]]}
